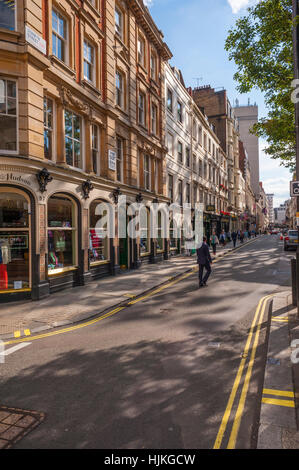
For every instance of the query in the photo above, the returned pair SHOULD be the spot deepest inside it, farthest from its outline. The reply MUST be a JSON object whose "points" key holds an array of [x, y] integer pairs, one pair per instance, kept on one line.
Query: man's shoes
{"points": [[201, 285], [205, 284]]}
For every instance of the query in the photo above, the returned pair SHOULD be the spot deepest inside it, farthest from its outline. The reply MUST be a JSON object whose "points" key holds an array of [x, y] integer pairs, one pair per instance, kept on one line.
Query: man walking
{"points": [[204, 260], [214, 242], [234, 238]]}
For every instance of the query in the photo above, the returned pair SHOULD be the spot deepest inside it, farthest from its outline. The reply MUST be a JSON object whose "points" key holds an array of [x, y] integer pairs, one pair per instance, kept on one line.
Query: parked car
{"points": [[291, 239]]}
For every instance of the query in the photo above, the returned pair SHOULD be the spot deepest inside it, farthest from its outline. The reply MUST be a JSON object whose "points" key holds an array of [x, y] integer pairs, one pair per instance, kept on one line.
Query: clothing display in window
{"points": [[5, 258], [96, 246], [59, 241], [5, 252]]}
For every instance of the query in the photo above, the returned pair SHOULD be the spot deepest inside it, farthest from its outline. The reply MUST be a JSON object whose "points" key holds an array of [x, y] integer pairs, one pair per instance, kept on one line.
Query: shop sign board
{"points": [[210, 208]]}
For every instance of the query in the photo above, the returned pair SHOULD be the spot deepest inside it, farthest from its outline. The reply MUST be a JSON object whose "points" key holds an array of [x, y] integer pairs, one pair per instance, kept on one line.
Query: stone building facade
{"points": [[82, 117]]}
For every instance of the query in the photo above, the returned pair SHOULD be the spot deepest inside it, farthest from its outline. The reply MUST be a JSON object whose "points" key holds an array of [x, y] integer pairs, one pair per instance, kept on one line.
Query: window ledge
{"points": [[63, 65], [55, 272], [87, 84], [98, 263], [8, 33]]}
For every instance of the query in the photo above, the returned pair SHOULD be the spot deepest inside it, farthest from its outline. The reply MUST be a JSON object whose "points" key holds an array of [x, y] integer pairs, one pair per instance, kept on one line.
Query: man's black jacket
{"points": [[203, 254]]}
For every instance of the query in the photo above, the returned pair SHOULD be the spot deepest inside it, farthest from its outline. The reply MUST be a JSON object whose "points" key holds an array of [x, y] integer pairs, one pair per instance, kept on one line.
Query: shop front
{"points": [[15, 243]]}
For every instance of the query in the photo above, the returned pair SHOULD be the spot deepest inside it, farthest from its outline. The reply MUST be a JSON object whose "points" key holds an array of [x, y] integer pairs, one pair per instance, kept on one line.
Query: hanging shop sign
{"points": [[210, 208]]}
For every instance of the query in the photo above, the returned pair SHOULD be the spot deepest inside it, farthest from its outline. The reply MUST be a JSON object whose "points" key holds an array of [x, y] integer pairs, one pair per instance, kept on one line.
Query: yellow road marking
{"points": [[275, 401], [236, 384], [17, 334], [66, 330], [27, 332], [281, 319], [240, 409], [280, 393]]}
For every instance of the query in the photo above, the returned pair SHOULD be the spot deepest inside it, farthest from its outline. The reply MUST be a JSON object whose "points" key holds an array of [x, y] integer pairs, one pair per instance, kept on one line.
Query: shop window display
{"points": [[14, 242], [61, 233], [98, 238]]}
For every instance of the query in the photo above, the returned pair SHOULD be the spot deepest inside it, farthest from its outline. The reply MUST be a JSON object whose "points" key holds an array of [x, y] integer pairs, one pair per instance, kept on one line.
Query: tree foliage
{"points": [[261, 46]]}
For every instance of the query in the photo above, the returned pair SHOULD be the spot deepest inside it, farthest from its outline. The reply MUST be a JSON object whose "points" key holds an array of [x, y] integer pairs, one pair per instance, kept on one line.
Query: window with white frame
{"points": [[200, 135], [170, 187], [8, 14], [95, 146], [89, 62], [119, 22], [73, 139], [180, 111], [8, 115], [141, 51], [180, 152], [141, 109], [194, 163], [147, 172], [154, 119], [180, 192], [59, 36], [119, 158], [48, 128], [119, 85], [170, 141], [169, 100], [188, 200], [188, 157]]}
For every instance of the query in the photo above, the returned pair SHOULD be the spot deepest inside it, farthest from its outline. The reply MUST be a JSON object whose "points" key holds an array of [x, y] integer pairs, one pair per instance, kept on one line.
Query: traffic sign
{"points": [[294, 188]]}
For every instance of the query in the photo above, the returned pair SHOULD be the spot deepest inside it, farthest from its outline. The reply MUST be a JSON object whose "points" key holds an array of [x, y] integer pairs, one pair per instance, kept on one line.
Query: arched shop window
{"points": [[14, 241], [144, 231], [98, 232], [62, 234]]}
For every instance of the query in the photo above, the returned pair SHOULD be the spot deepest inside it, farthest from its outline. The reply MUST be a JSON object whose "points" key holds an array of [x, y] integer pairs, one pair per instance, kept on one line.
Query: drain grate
{"points": [[15, 424]]}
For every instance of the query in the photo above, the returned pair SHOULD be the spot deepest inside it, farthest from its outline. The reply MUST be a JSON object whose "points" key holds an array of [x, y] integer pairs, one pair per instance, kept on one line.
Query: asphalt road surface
{"points": [[157, 374]]}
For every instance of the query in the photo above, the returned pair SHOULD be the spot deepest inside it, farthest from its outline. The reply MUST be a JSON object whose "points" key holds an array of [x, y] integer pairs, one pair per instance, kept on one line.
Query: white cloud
{"points": [[148, 3], [237, 5]]}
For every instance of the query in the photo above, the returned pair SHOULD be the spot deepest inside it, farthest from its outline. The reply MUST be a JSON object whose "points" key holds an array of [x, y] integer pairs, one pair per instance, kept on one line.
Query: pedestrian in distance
{"points": [[234, 238], [228, 236], [222, 238], [204, 261], [241, 236], [214, 241], [249, 235]]}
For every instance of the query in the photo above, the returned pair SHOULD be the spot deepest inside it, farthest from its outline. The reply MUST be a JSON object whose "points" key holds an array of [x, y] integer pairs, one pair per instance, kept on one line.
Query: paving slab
{"points": [[278, 418]]}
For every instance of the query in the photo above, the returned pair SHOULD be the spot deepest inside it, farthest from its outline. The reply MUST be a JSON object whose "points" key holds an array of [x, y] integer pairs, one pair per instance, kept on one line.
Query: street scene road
{"points": [[158, 373]]}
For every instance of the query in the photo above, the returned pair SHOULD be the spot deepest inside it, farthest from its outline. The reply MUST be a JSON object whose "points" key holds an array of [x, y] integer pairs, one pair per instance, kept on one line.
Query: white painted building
{"points": [[196, 166]]}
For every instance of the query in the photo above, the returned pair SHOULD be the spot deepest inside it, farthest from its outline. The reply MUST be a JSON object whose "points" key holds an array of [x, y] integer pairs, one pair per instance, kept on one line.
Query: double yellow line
{"points": [[252, 342]]}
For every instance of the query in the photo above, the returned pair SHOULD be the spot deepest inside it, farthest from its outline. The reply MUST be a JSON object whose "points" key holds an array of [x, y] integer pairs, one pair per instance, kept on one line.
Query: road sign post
{"points": [[296, 76]]}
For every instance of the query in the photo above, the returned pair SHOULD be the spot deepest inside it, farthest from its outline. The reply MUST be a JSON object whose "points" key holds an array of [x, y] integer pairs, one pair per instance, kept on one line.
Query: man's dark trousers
{"points": [[203, 259], [203, 280]]}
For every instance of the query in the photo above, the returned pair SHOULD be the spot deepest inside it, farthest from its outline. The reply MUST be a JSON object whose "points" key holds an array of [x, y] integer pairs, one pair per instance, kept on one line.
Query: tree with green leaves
{"points": [[261, 46]]}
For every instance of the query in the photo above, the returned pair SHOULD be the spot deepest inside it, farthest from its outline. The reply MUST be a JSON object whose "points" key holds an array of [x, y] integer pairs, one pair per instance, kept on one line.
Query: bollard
{"points": [[294, 281]]}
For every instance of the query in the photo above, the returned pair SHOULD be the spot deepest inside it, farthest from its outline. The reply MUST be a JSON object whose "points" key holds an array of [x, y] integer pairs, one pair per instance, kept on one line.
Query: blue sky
{"points": [[195, 31]]}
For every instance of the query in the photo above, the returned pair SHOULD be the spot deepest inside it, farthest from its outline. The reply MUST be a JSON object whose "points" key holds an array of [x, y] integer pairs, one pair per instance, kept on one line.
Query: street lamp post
{"points": [[296, 76]]}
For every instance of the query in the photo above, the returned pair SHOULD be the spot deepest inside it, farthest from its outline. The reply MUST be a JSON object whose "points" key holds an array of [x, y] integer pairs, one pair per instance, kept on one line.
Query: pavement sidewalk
{"points": [[72, 305], [278, 427]]}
